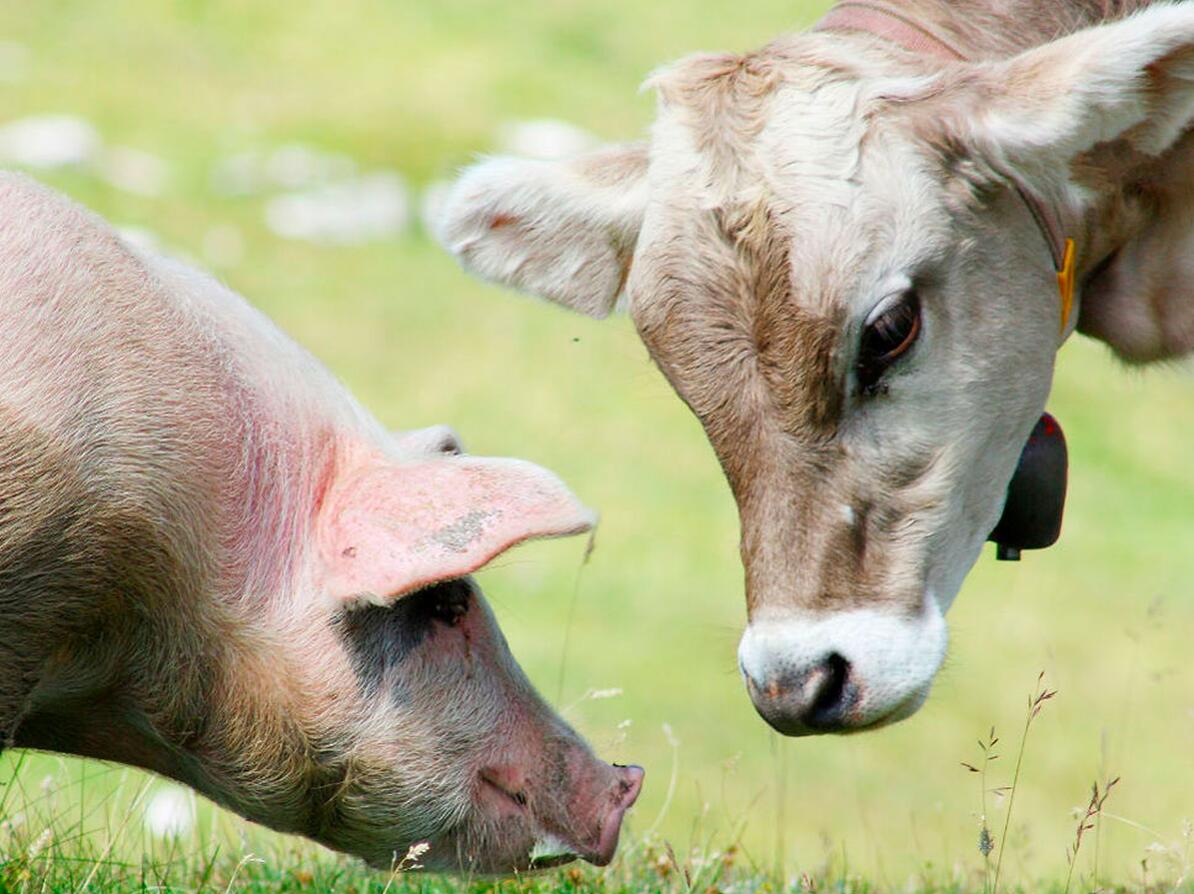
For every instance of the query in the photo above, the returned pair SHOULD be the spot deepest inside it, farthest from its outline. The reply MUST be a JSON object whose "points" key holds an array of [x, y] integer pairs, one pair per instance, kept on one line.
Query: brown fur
{"points": [[760, 369], [736, 305], [793, 190], [755, 359]]}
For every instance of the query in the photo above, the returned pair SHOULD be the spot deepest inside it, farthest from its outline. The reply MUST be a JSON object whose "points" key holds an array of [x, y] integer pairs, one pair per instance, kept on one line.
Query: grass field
{"points": [[420, 86]]}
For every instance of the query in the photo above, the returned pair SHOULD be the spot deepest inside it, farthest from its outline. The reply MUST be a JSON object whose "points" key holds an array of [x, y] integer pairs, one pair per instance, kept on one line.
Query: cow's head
{"points": [[828, 260]]}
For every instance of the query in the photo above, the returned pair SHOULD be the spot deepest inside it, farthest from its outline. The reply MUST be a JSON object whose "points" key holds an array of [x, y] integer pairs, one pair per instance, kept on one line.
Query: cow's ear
{"points": [[1130, 80], [389, 529], [563, 230]]}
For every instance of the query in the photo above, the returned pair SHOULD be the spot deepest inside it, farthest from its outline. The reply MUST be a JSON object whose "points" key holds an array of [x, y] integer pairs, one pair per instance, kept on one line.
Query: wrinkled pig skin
{"points": [[214, 564]]}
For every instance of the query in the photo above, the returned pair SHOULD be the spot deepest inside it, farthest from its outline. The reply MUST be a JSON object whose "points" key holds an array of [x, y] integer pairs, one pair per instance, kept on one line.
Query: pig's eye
{"points": [[450, 604], [888, 336]]}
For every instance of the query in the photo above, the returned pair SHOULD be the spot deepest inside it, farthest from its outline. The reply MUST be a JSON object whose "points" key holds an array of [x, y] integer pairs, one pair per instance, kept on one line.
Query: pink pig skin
{"points": [[214, 564]]}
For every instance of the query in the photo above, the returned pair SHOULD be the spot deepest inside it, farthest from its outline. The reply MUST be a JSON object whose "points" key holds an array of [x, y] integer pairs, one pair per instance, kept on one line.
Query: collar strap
{"points": [[890, 23], [882, 20]]}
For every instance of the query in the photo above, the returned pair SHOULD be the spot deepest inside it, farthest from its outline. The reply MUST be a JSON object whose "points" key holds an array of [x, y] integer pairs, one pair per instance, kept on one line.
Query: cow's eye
{"points": [[887, 338]]}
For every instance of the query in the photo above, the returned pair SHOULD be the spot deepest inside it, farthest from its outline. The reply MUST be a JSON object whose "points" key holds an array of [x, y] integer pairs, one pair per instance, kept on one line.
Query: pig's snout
{"points": [[599, 801], [628, 781], [584, 822]]}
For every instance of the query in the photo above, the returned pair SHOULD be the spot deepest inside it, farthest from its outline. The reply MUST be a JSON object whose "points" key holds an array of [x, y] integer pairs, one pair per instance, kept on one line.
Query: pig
{"points": [[217, 566]]}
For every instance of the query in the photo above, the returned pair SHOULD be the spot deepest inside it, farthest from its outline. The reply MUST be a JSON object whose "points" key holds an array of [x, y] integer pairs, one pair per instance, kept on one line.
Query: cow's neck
{"points": [[1128, 294], [1133, 298]]}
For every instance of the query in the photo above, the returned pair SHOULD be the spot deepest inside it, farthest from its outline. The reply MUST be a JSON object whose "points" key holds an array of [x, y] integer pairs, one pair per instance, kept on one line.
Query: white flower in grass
{"points": [[598, 694], [40, 844], [368, 208], [170, 813], [49, 141]]}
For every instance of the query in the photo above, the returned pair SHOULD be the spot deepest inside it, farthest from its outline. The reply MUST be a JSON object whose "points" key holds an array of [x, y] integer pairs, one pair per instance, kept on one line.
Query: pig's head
{"points": [[447, 743]]}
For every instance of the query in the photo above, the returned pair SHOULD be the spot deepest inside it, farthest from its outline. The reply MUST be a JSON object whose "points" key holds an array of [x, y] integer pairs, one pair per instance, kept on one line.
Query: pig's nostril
{"points": [[630, 784]]}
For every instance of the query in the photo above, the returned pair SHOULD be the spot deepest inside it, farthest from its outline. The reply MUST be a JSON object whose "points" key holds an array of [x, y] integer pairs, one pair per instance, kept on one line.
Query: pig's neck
{"points": [[218, 681], [173, 566], [265, 753], [237, 721]]}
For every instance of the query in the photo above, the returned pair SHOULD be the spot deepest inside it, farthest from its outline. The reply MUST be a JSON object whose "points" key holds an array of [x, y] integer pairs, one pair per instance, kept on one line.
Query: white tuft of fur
{"points": [[549, 847]]}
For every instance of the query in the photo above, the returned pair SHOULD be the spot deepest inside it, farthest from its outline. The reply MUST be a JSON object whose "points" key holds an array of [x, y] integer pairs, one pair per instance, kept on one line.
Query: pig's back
{"points": [[139, 397], [79, 539], [87, 334]]}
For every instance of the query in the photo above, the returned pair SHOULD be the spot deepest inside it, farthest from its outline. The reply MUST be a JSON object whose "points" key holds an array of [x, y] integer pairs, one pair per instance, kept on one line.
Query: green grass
{"points": [[420, 86]]}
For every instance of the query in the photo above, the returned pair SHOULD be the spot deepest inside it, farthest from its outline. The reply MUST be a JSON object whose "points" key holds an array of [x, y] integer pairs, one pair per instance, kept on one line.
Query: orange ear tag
{"points": [[1065, 283]]}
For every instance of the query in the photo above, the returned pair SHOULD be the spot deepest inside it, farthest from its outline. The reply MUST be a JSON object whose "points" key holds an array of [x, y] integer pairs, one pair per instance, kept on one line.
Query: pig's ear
{"points": [[562, 230], [388, 530]]}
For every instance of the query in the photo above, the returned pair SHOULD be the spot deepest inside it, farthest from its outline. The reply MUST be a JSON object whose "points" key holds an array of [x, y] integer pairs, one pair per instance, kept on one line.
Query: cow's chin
{"points": [[902, 711]]}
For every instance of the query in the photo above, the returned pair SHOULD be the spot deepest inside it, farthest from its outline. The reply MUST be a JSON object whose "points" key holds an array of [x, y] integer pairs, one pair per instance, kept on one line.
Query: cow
{"points": [[855, 253], [216, 565]]}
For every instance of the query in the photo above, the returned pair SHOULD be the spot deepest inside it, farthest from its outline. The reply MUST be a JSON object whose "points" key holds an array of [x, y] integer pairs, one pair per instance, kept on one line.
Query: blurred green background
{"points": [[204, 94]]}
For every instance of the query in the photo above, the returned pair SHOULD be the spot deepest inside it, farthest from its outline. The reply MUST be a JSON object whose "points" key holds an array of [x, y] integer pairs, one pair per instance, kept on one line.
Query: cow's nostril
{"points": [[830, 697], [815, 698]]}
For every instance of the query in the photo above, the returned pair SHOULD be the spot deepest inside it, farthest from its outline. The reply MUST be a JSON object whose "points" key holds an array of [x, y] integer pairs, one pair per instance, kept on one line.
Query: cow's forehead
{"points": [[781, 212], [854, 200]]}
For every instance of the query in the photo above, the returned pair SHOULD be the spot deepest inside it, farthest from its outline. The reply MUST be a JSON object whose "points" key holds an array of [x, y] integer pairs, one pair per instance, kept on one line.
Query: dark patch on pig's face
{"points": [[379, 638]]}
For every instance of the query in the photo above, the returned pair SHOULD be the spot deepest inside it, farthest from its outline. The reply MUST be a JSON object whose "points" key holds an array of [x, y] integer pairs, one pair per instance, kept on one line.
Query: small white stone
{"points": [[239, 174], [293, 166], [544, 138], [49, 141], [370, 207]]}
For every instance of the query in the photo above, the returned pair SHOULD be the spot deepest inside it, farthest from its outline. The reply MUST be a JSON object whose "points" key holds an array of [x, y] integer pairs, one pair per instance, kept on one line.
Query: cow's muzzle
{"points": [[843, 672]]}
